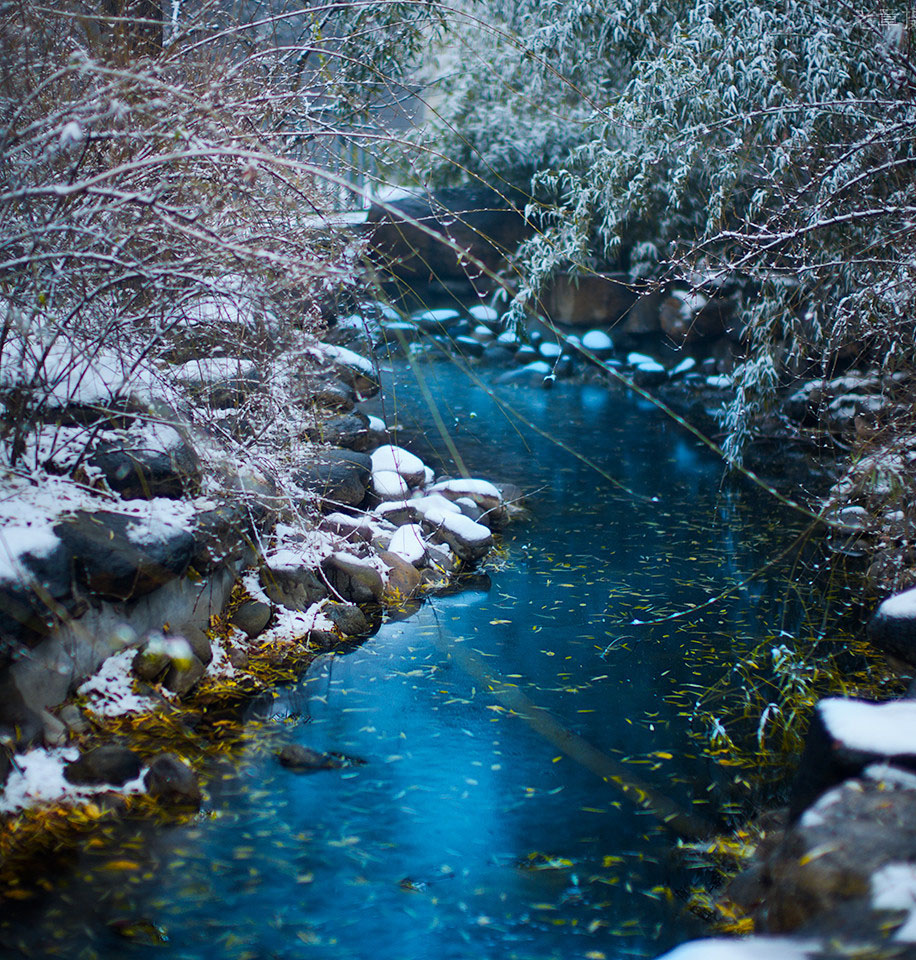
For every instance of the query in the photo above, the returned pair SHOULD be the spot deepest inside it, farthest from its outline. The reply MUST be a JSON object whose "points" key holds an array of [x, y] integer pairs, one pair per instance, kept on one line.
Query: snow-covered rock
{"points": [[482, 492], [389, 485], [401, 461], [484, 313], [598, 343], [409, 543], [892, 628], [468, 539], [549, 350]]}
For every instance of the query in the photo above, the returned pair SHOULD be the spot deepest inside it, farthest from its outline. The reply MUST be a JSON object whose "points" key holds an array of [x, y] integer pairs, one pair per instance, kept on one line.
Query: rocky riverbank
{"points": [[191, 531]]}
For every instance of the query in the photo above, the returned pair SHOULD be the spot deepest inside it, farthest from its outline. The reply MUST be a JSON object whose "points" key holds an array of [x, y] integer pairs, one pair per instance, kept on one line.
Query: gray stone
{"points": [[117, 557], [72, 716], [361, 582], [824, 865], [295, 588], [199, 643], [19, 723], [55, 733], [298, 757], [348, 618], [252, 617], [139, 469], [336, 476], [170, 780], [351, 430], [110, 764], [150, 663], [184, 675], [469, 346], [29, 609], [403, 577], [892, 628]]}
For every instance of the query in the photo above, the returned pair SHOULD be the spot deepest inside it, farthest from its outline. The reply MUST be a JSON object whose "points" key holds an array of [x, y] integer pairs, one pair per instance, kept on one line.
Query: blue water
{"points": [[467, 834]]}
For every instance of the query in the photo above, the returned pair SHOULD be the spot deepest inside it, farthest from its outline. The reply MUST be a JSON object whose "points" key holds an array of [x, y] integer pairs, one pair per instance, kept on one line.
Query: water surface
{"points": [[467, 834]]}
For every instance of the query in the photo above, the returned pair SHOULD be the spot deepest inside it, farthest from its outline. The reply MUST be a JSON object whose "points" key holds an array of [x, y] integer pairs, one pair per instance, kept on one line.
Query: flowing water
{"points": [[468, 833]]}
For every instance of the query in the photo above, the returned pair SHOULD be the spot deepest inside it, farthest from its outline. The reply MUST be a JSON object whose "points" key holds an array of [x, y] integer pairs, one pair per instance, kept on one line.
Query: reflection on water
{"points": [[466, 834]]}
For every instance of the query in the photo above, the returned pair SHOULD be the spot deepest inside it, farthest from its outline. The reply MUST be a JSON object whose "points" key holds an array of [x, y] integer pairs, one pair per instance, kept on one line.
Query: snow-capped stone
{"points": [[685, 366], [432, 501], [409, 544], [508, 338], [635, 359], [483, 313], [363, 580], [483, 333], [390, 457], [377, 424], [434, 318], [598, 343], [892, 628], [719, 382], [482, 492], [549, 350], [388, 485], [468, 539]]}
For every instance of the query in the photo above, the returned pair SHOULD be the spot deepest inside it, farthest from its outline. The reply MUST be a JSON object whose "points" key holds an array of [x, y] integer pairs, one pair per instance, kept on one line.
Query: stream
{"points": [[466, 833]]}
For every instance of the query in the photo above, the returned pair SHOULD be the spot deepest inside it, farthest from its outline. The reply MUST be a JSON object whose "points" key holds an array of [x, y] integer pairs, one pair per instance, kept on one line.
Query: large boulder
{"points": [[158, 461], [844, 737], [892, 628], [171, 781], [336, 476], [293, 584], [416, 236], [350, 430], [36, 584], [826, 867], [120, 556], [110, 764]]}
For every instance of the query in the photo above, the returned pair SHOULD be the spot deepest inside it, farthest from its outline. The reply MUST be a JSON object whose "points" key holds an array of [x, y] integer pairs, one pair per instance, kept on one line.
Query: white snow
{"points": [[38, 777], [408, 543], [433, 501], [477, 490], [435, 316], [549, 350], [390, 457], [890, 776], [389, 485], [650, 366], [377, 424], [110, 691], [348, 358], [902, 605], [719, 383], [214, 370], [483, 313], [463, 527], [753, 948], [882, 728], [16, 540], [597, 341], [508, 338], [537, 366], [685, 366], [893, 887], [635, 359]]}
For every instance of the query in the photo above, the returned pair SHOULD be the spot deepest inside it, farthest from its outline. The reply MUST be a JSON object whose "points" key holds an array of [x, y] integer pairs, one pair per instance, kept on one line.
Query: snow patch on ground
{"points": [[110, 691]]}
